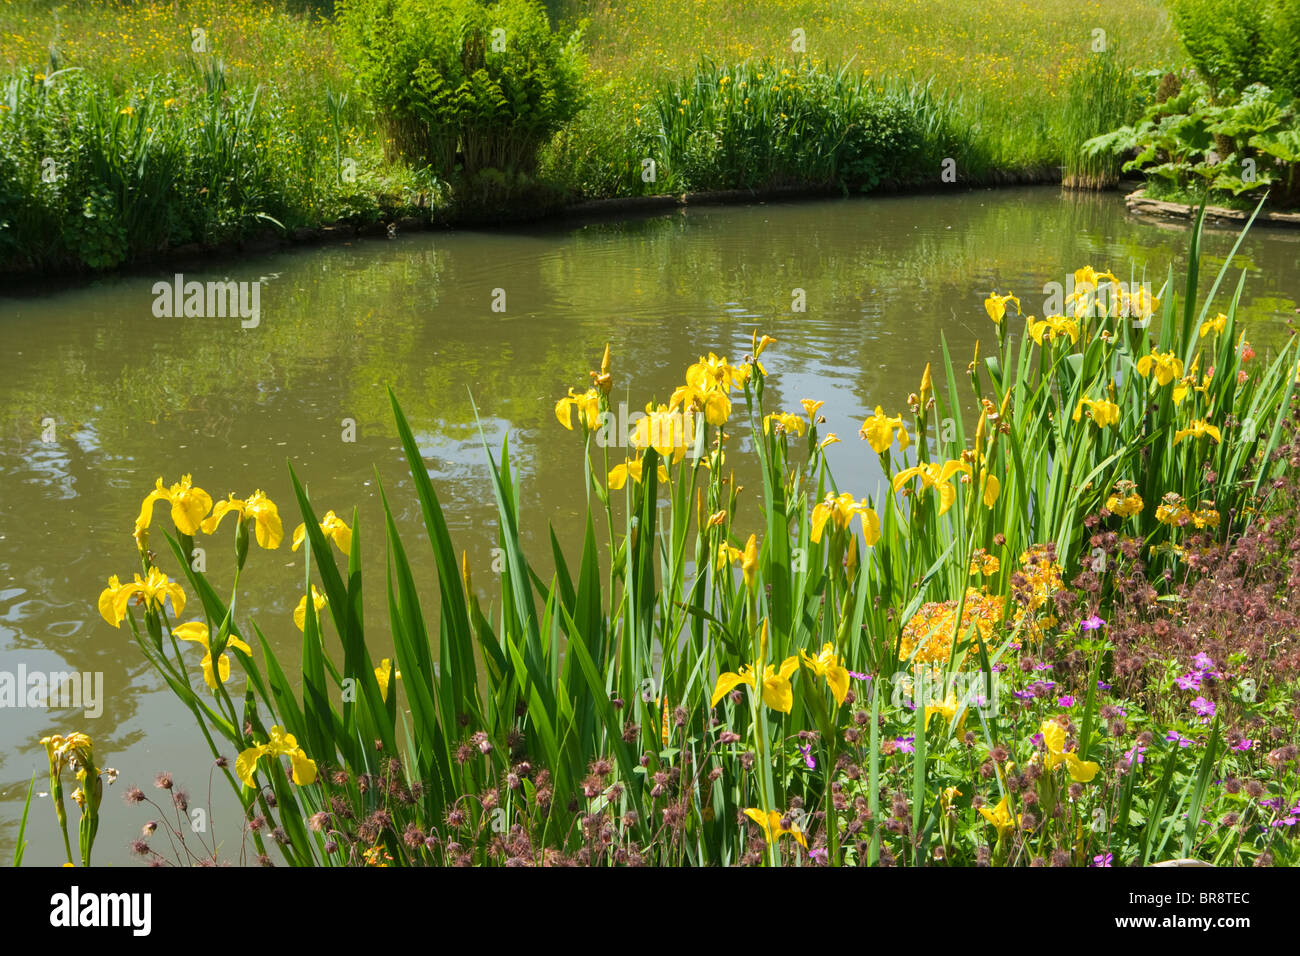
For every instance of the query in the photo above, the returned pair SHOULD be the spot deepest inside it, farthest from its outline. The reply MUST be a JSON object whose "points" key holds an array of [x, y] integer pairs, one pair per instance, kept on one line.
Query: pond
{"points": [[100, 395]]}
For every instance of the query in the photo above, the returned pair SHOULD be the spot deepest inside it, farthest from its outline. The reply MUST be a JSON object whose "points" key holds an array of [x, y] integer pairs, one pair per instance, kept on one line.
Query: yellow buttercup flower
{"points": [[197, 631], [189, 505], [280, 744], [300, 612], [256, 507], [829, 665], [1166, 365], [333, 527], [996, 306], [772, 828], [880, 430], [1196, 429], [1102, 411]]}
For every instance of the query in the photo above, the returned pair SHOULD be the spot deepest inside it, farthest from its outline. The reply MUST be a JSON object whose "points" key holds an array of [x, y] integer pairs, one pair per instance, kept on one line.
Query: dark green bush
{"points": [[461, 86]]}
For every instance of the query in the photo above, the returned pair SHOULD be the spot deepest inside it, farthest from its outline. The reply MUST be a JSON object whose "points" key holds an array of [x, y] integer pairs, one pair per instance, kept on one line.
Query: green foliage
{"points": [[1235, 43], [461, 85], [91, 178], [761, 124], [1103, 92], [1230, 148]]}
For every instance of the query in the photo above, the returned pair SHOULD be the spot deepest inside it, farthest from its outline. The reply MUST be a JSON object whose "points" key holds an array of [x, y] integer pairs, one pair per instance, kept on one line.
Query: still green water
{"points": [[99, 396]]}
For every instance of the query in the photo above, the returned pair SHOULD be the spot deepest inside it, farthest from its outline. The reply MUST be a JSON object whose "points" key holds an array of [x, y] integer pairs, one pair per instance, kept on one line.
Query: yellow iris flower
{"points": [[712, 373], [619, 474], [1215, 325], [841, 510], [934, 475], [776, 689], [1055, 326], [771, 824], [1001, 817], [333, 527], [383, 673], [879, 431], [1167, 366], [1102, 411], [1196, 429], [300, 612], [786, 421], [153, 590], [189, 505], [996, 306], [829, 665], [280, 744], [811, 408], [587, 404], [197, 631], [1081, 771], [256, 507]]}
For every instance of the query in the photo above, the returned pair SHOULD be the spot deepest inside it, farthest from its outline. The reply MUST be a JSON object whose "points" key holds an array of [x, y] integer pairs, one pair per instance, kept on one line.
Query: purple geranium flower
{"points": [[1190, 681], [808, 759], [1091, 623], [1244, 744], [1203, 707], [1178, 738], [1102, 685], [1203, 662], [1066, 701], [1135, 755], [906, 744], [856, 676], [1103, 859]]}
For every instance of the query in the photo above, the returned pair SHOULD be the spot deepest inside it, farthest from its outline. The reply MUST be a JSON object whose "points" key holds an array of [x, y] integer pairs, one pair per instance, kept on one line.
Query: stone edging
{"points": [[1139, 202]]}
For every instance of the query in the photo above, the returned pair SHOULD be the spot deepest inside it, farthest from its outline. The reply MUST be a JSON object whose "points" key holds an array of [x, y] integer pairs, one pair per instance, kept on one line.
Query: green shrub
{"points": [[463, 86], [1234, 43]]}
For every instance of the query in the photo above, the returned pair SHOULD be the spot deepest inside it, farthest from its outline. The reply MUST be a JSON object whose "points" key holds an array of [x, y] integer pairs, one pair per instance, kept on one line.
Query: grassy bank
{"points": [[128, 130]]}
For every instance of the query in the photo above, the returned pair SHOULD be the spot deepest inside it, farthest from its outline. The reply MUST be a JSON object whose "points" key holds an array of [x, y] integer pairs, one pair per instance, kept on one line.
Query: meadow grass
{"points": [[994, 86]]}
